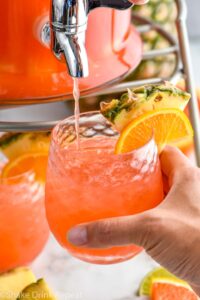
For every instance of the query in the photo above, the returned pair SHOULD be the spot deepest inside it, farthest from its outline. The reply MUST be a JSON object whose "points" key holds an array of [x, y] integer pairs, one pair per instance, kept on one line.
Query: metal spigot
{"points": [[68, 28]]}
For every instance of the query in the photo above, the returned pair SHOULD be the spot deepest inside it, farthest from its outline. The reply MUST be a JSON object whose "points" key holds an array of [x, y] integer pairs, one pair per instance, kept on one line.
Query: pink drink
{"points": [[23, 226], [76, 94], [93, 183]]}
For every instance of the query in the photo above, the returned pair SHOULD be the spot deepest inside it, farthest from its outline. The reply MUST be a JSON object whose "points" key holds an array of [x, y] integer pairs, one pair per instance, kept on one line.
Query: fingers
{"points": [[172, 160], [115, 231]]}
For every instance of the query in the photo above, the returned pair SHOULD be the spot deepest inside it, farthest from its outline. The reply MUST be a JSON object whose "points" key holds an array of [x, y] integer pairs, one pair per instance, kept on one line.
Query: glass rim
{"points": [[62, 123], [20, 179]]}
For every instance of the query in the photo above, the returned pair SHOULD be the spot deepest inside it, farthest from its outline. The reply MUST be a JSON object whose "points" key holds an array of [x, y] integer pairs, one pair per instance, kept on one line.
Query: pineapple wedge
{"points": [[13, 145], [13, 282], [143, 99], [37, 291]]}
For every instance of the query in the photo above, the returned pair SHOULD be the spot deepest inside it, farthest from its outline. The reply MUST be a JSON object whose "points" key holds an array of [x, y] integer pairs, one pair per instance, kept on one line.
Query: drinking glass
{"points": [[23, 227], [93, 183]]}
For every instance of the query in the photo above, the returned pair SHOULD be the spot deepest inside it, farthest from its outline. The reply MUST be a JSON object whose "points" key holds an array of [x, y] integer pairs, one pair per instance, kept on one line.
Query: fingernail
{"points": [[78, 236]]}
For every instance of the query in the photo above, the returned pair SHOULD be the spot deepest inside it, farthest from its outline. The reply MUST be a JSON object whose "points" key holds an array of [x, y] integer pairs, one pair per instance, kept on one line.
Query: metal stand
{"points": [[183, 68], [187, 70]]}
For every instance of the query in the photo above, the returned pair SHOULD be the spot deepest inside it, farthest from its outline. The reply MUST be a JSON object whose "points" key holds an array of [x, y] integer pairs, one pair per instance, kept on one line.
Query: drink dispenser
{"points": [[46, 43]]}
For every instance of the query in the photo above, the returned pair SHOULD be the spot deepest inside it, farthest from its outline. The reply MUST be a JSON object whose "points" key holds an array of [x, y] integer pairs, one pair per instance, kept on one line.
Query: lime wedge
{"points": [[157, 274]]}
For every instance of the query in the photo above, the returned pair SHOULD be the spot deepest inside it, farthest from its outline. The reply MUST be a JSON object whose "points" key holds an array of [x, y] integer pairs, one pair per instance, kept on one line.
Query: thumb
{"points": [[137, 229]]}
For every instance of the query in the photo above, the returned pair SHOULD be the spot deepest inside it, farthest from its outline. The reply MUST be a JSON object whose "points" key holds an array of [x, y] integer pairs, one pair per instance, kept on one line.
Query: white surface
{"points": [[72, 279]]}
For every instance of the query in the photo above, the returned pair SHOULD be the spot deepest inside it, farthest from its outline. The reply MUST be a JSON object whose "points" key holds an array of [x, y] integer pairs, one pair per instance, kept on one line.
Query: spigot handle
{"points": [[117, 4]]}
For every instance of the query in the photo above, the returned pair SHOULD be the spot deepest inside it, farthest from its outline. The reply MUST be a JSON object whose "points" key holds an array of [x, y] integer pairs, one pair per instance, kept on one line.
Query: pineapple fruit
{"points": [[13, 145], [143, 99], [159, 11], [13, 282], [38, 290], [21, 284], [162, 12]]}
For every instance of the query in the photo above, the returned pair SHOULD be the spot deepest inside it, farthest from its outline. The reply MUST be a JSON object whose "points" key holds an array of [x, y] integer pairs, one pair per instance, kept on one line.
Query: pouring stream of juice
{"points": [[76, 94]]}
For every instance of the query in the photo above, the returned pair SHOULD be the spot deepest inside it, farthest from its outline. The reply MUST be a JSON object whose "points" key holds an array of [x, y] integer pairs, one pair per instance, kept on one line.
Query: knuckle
{"points": [[152, 225], [103, 231]]}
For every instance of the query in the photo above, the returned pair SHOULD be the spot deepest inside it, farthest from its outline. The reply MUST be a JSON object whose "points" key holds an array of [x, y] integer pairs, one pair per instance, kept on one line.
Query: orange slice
{"points": [[36, 162], [171, 291], [167, 126]]}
